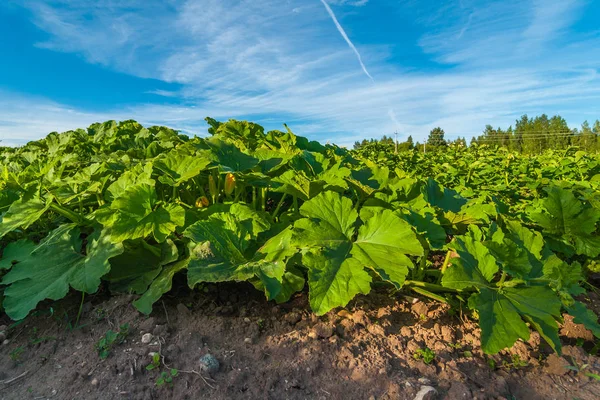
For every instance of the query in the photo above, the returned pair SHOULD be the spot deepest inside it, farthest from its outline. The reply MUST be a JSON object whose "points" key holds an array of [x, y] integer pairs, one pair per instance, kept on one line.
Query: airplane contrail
{"points": [[347, 39]]}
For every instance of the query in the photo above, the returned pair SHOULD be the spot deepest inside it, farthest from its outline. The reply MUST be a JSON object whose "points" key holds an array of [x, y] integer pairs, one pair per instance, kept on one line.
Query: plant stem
{"points": [[502, 279], [74, 217], [432, 287], [276, 212], [80, 309], [429, 294]]}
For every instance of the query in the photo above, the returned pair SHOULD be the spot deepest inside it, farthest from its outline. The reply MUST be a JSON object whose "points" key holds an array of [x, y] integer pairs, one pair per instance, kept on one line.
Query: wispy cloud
{"points": [[346, 38], [276, 61]]}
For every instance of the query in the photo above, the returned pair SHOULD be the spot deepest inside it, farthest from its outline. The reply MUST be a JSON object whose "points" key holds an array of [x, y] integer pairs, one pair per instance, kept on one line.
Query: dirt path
{"points": [[280, 352]]}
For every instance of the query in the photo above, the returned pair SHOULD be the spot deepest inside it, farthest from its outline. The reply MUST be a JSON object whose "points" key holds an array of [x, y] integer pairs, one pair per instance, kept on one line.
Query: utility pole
{"points": [[396, 143]]}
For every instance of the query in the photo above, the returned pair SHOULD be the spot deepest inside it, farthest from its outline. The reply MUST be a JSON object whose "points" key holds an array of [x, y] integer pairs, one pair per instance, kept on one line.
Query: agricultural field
{"points": [[308, 270]]}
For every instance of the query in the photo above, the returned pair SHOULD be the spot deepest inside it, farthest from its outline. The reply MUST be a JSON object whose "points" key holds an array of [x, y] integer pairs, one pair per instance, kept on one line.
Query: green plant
{"points": [[132, 207], [167, 377], [110, 338], [16, 353], [515, 363], [155, 363], [426, 355], [581, 369]]}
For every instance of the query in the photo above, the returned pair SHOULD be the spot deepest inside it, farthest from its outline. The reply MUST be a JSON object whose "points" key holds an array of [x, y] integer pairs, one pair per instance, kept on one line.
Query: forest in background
{"points": [[529, 135]]}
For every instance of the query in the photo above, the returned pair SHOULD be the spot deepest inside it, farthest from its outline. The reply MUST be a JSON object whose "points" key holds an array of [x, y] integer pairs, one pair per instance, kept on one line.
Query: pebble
{"points": [[209, 364], [94, 382], [147, 338], [426, 393], [6, 342], [248, 340], [246, 320]]}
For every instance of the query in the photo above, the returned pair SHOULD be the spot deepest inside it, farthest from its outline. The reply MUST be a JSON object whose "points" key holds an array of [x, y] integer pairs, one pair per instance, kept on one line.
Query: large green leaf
{"points": [[331, 213], [159, 286], [334, 278], [16, 252], [217, 255], [22, 214], [297, 184], [55, 264], [228, 158], [474, 266], [135, 268], [137, 214], [501, 314], [178, 168], [383, 243], [564, 217]]}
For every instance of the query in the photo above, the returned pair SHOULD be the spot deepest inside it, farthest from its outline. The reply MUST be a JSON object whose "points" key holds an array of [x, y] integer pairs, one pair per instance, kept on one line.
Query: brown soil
{"points": [[281, 352]]}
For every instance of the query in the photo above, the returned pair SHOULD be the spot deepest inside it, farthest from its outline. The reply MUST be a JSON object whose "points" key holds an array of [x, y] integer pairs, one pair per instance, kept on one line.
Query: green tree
{"points": [[436, 137]]}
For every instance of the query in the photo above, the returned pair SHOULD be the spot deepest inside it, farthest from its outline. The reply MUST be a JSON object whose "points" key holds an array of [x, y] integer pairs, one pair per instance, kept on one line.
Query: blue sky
{"points": [[455, 64]]}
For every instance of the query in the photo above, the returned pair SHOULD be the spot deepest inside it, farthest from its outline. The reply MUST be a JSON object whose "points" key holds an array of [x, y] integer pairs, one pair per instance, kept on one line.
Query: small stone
{"points": [[312, 334], [6, 342], [147, 338], [426, 393], [344, 314], [248, 340], [209, 364], [406, 331], [424, 381], [247, 320], [323, 330], [94, 382]]}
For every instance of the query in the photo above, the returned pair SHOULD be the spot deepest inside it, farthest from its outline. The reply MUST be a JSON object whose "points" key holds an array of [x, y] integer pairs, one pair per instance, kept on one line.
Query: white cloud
{"points": [[263, 58]]}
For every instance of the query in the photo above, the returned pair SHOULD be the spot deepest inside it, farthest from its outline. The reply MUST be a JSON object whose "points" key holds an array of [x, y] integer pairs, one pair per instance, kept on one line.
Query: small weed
{"points": [[155, 363], [491, 363], [426, 355], [261, 324], [581, 370], [467, 354], [167, 377], [110, 339], [455, 346], [515, 364], [16, 353]]}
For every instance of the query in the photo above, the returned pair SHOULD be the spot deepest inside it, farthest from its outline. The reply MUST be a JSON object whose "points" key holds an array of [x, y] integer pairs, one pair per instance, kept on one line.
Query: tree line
{"points": [[529, 135]]}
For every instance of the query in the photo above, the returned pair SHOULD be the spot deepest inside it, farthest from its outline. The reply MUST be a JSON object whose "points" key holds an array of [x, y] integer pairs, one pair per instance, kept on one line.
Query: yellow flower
{"points": [[229, 184], [201, 202]]}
